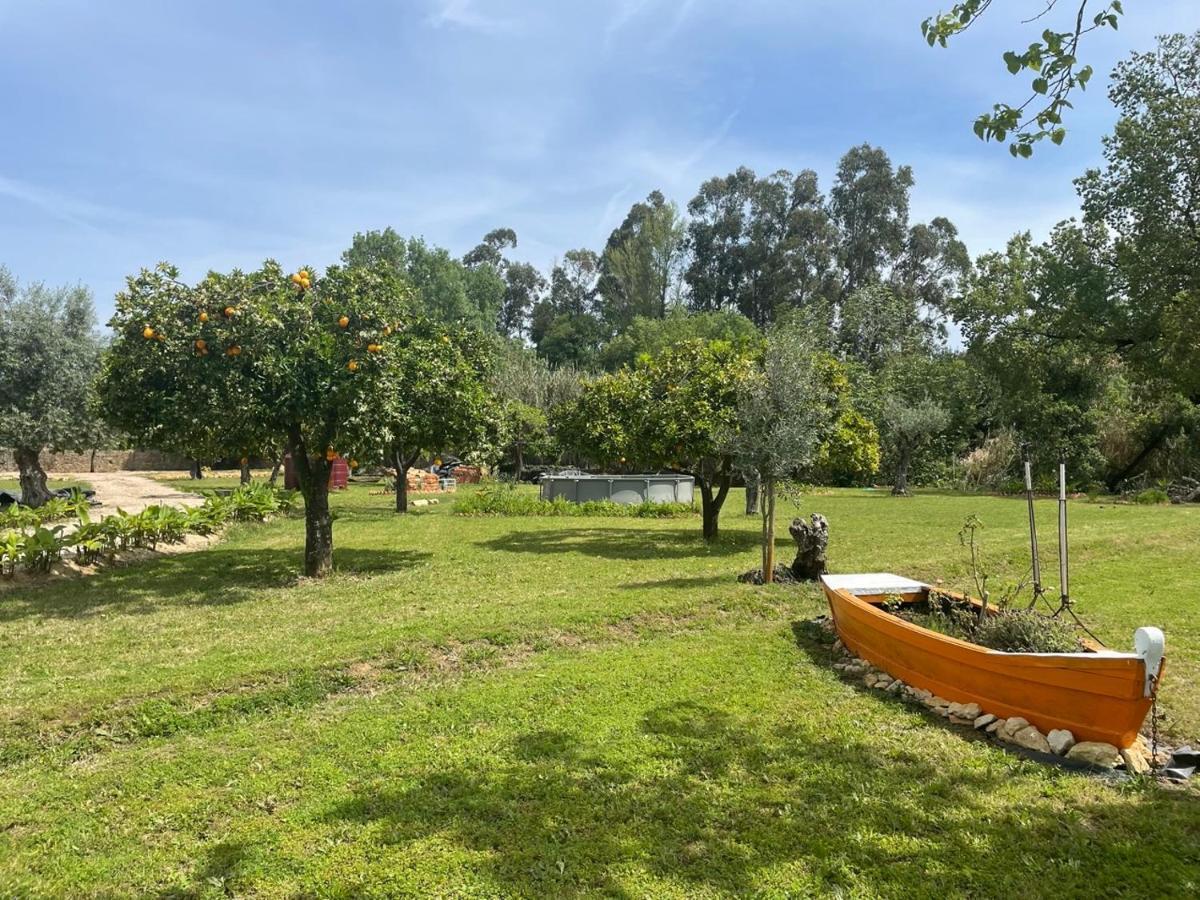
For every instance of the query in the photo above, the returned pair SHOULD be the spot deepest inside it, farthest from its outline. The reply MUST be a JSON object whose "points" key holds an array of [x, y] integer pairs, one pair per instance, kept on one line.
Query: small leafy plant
{"points": [[43, 548], [12, 551]]}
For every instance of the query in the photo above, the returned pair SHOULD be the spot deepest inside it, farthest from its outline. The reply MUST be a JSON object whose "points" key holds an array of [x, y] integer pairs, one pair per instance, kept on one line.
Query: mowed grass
{"points": [[12, 485], [544, 707]]}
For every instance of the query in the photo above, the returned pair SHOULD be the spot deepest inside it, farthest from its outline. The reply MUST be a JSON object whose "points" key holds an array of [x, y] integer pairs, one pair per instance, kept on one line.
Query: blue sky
{"points": [[215, 134]]}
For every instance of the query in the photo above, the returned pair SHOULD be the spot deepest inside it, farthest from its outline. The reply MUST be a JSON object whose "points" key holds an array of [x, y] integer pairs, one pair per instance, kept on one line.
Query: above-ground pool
{"points": [[619, 488]]}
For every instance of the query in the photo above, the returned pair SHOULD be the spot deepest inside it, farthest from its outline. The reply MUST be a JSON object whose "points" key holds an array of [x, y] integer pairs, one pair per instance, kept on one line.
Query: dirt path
{"points": [[133, 493]]}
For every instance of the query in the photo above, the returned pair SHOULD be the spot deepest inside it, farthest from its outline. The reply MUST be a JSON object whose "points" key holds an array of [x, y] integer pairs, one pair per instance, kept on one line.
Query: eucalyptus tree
{"points": [[868, 203], [640, 263], [759, 246], [49, 354], [565, 325]]}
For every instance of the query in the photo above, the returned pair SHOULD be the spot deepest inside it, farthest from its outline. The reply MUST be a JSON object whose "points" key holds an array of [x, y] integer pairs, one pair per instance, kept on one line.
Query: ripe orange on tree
{"points": [[352, 365], [229, 312], [235, 350], [148, 332], [203, 316], [344, 321]]}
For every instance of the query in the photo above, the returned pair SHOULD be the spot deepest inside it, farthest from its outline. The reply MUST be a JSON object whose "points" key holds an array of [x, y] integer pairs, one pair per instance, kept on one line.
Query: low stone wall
{"points": [[106, 461]]}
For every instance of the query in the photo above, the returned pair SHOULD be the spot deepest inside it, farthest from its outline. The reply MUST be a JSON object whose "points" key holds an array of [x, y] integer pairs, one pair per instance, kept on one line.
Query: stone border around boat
{"points": [[1016, 734]]}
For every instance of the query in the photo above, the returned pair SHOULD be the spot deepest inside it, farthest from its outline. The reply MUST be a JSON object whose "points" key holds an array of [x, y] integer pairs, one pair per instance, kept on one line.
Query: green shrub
{"points": [[43, 548], [1005, 629], [89, 542], [1152, 497], [506, 500], [254, 502], [12, 551], [1026, 631]]}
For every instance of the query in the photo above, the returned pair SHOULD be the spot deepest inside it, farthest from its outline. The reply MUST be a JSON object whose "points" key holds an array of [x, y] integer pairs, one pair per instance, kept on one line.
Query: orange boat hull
{"points": [[1095, 696]]}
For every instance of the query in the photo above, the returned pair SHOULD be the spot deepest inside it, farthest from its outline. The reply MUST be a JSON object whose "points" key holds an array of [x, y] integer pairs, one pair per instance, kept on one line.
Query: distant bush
{"points": [[254, 502], [505, 500], [1152, 497]]}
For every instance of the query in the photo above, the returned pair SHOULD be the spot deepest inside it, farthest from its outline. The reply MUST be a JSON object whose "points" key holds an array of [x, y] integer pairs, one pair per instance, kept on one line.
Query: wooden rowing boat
{"points": [[1097, 695]]}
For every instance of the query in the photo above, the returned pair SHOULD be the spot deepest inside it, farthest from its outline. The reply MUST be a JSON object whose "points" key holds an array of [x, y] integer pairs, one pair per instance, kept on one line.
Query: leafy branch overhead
{"points": [[1053, 61]]}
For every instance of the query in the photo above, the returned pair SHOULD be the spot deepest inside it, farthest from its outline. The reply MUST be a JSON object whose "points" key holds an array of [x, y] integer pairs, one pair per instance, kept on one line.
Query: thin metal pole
{"points": [[1064, 588], [1033, 541]]}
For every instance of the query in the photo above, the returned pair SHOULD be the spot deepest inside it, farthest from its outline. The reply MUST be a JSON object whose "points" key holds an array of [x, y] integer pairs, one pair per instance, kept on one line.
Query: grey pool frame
{"points": [[629, 489]]}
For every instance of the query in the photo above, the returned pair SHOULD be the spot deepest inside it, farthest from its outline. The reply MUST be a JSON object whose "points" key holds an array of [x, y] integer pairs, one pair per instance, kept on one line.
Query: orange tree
{"points": [[243, 357], [434, 396], [676, 410]]}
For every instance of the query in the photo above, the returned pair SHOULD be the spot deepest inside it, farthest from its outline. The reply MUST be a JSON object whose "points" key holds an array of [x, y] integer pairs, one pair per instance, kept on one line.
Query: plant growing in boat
{"points": [[998, 625]]}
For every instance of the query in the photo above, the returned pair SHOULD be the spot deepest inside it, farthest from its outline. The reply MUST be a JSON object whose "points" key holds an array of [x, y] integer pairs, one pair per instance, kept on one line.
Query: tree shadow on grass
{"points": [[682, 583], [222, 866], [217, 576], [708, 801], [621, 543]]}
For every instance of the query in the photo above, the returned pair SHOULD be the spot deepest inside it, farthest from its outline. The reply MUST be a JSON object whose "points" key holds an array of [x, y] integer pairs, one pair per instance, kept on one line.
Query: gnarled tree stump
{"points": [[812, 539]]}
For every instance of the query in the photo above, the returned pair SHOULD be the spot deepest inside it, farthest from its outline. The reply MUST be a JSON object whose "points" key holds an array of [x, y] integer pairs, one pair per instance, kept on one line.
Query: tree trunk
{"points": [[900, 488], [403, 464], [92, 461], [275, 470], [245, 471], [752, 495], [196, 472], [313, 473], [519, 453], [811, 543], [32, 476], [710, 503], [767, 500], [1114, 481]]}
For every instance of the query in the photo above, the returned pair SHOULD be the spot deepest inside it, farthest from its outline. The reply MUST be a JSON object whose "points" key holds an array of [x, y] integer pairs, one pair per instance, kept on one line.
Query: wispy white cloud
{"points": [[57, 206], [465, 14]]}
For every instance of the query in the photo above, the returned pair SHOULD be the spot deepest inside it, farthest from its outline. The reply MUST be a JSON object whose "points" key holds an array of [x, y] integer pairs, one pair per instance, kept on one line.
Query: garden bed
{"points": [[997, 628]]}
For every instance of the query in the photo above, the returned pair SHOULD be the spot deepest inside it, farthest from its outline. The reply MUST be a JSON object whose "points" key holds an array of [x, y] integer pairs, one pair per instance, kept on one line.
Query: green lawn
{"points": [[545, 707], [53, 482]]}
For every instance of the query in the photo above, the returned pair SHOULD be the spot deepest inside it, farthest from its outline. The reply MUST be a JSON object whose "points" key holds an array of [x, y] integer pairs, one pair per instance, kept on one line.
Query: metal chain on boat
{"points": [[1153, 720]]}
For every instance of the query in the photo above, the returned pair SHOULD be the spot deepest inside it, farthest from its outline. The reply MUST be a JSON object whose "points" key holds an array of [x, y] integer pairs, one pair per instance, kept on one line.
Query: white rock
{"points": [[984, 720], [971, 711], [894, 687], [1095, 753], [1060, 740], [1031, 739], [995, 726]]}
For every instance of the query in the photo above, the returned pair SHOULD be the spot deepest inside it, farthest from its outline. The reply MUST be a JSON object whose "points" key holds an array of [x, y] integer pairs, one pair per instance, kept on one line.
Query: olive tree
{"points": [[908, 426], [783, 411], [246, 355], [49, 352]]}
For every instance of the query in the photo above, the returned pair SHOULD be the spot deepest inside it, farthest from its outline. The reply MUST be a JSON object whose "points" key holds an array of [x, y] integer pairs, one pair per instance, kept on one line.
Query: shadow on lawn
{"points": [[218, 576], [711, 802], [622, 543]]}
